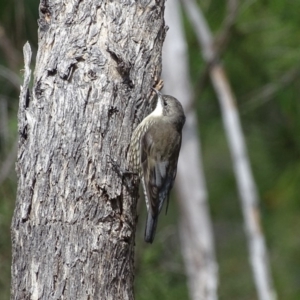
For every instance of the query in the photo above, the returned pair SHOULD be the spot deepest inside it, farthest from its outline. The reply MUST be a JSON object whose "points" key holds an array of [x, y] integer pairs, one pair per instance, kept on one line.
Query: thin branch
{"points": [[267, 93], [245, 181], [221, 41], [11, 76], [222, 38]]}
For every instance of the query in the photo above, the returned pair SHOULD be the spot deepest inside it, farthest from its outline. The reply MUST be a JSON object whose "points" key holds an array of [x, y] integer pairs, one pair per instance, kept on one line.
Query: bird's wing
{"points": [[150, 180], [158, 173], [171, 171]]}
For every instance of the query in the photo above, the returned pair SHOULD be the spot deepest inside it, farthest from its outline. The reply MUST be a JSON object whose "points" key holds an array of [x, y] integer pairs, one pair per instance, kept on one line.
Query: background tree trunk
{"points": [[74, 221], [196, 232], [245, 181]]}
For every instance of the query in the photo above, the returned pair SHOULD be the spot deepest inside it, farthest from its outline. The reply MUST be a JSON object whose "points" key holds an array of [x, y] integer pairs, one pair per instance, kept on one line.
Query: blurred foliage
{"points": [[263, 64]]}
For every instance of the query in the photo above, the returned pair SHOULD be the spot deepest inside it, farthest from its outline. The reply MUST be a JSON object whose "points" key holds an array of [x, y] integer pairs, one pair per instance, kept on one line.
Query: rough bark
{"points": [[74, 221], [195, 226]]}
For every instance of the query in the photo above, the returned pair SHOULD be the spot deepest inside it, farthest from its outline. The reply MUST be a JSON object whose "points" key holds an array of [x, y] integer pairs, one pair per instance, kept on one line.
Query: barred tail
{"points": [[150, 228]]}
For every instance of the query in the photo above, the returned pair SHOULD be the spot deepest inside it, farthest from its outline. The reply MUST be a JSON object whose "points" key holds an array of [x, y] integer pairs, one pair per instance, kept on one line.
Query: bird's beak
{"points": [[159, 95]]}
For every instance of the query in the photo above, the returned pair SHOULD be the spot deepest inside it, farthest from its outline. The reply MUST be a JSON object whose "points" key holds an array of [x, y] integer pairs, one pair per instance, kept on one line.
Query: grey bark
{"points": [[74, 221], [195, 225]]}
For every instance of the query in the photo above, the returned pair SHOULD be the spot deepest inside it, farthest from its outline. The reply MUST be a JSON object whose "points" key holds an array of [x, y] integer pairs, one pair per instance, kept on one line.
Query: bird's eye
{"points": [[165, 103]]}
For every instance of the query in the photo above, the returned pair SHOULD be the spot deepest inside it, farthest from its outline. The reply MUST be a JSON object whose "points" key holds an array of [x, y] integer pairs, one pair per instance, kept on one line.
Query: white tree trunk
{"points": [[245, 181], [195, 225]]}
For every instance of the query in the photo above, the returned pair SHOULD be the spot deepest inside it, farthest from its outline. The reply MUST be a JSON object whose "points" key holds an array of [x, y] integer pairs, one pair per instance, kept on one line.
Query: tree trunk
{"points": [[246, 185], [74, 221], [196, 232]]}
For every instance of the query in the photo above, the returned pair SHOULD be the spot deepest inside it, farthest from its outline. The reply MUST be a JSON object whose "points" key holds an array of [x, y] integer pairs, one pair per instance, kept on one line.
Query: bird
{"points": [[153, 155]]}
